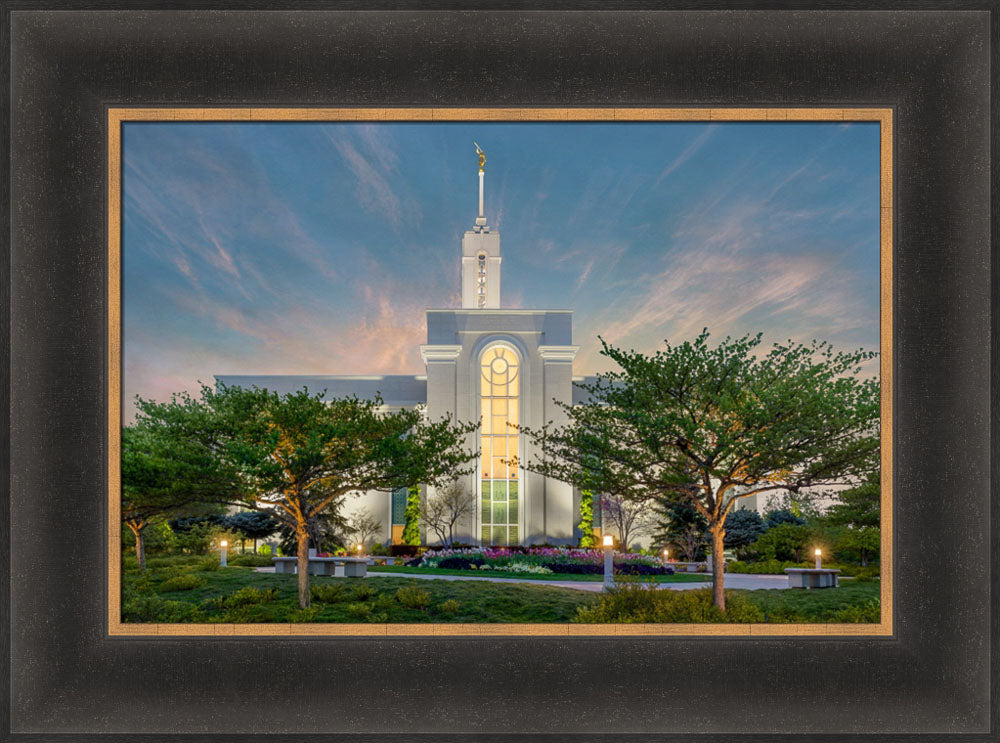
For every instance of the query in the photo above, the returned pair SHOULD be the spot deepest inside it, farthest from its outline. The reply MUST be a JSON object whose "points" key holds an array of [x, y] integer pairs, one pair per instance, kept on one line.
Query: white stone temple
{"points": [[483, 363]]}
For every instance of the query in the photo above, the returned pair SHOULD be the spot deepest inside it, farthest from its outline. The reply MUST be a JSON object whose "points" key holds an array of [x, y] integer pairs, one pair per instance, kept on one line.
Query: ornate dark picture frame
{"points": [[931, 677]]}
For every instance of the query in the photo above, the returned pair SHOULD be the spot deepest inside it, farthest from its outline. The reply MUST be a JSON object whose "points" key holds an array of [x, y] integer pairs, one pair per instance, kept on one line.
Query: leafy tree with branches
{"points": [[714, 424], [296, 454], [161, 475], [858, 507]]}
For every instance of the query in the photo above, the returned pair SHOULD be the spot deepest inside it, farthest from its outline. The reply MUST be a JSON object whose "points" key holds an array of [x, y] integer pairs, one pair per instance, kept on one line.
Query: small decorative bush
{"points": [[869, 612], [303, 615], [328, 593], [244, 597], [364, 613], [251, 560], [208, 565], [631, 602], [451, 606], [413, 597], [181, 583], [154, 609], [362, 592], [764, 567], [459, 563], [404, 550]]}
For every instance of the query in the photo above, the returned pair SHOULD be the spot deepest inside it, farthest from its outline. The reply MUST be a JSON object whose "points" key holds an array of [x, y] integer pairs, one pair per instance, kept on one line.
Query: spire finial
{"points": [[482, 157]]}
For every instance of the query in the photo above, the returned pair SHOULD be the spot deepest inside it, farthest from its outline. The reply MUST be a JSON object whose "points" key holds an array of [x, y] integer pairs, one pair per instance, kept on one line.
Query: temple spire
{"points": [[481, 219], [481, 257]]}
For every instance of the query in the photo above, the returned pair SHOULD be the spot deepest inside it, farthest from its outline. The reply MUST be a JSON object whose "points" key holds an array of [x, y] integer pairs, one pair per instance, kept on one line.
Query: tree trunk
{"points": [[303, 540], [140, 547], [140, 550], [718, 566]]}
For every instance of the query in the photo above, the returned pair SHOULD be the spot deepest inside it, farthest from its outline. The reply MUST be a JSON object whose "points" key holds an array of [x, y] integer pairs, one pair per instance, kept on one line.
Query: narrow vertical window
{"points": [[500, 387], [481, 281]]}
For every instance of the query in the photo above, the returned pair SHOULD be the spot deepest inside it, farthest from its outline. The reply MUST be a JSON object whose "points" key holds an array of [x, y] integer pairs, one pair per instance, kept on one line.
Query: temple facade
{"points": [[500, 367]]}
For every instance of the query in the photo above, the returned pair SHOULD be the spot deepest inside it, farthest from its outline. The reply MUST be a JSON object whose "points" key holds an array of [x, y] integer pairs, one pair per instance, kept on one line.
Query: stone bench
{"points": [[680, 566], [812, 577], [354, 567], [381, 560]]}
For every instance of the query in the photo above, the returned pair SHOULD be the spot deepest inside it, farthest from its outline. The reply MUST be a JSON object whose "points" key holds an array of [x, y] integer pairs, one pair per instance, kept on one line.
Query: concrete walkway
{"points": [[733, 580]]}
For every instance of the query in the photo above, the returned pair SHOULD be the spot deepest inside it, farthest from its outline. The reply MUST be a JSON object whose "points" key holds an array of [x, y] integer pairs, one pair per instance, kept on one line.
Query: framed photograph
{"points": [[225, 215], [147, 253]]}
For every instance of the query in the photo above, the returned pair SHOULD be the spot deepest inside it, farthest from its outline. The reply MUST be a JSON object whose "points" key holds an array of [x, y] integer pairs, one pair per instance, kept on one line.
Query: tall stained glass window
{"points": [[499, 496]]}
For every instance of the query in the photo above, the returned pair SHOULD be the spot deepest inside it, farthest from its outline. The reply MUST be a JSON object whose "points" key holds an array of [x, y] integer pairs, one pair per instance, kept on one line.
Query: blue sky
{"points": [[314, 248]]}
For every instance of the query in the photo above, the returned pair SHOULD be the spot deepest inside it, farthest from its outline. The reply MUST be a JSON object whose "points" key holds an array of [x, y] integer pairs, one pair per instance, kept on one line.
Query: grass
{"points": [[385, 599], [593, 578], [242, 595], [827, 605]]}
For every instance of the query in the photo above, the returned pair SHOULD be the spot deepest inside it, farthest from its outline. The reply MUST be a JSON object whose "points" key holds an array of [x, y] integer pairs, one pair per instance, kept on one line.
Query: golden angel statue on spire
{"points": [[482, 157]]}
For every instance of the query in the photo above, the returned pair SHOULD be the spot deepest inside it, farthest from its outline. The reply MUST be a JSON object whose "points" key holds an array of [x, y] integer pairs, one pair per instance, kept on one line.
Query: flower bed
{"points": [[540, 560]]}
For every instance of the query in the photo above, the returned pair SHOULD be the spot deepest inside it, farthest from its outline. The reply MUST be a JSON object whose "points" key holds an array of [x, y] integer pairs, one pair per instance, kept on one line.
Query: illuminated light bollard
{"points": [[819, 558], [666, 557], [223, 552], [609, 564]]}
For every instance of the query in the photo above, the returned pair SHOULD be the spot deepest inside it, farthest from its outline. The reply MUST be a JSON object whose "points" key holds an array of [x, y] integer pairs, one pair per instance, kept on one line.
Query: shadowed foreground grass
{"points": [[197, 590], [241, 595]]}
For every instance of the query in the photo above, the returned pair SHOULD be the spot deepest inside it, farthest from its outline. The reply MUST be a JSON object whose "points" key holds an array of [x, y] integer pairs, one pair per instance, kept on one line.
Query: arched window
{"points": [[499, 497]]}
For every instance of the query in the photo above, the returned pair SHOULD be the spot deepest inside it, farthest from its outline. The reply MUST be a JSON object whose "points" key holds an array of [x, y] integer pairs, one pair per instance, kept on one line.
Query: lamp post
{"points": [[609, 564], [666, 556], [819, 558], [222, 552], [360, 547]]}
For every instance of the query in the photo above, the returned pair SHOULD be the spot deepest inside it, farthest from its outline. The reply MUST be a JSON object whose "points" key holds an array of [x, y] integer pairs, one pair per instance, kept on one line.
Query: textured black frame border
{"points": [[68, 63]]}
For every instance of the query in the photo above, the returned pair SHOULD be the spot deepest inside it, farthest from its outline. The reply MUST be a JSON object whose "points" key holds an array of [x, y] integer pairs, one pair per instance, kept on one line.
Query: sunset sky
{"points": [[315, 248]]}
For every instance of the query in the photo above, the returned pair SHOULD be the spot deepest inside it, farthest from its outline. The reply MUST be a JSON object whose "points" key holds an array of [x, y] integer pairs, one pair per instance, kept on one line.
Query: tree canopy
{"points": [[714, 424], [295, 454]]}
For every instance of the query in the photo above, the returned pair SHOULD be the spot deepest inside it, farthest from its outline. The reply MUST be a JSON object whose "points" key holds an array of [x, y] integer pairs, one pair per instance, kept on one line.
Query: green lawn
{"points": [[358, 600], [404, 570], [242, 595], [852, 601]]}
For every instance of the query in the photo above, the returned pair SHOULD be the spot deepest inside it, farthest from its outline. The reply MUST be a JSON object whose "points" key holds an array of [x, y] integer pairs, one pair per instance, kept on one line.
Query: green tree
{"points": [[858, 507], [297, 453], [587, 538], [783, 542], [162, 474], [717, 424], [865, 541], [743, 526], [680, 523], [780, 516], [411, 516], [253, 525]]}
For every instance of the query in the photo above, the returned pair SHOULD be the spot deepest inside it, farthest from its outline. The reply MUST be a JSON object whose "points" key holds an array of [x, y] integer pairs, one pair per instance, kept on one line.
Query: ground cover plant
{"points": [[242, 595], [207, 593], [634, 601]]}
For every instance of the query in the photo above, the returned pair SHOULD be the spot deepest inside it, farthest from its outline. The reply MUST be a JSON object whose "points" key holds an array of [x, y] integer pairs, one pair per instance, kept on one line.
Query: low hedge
{"points": [[621, 568]]}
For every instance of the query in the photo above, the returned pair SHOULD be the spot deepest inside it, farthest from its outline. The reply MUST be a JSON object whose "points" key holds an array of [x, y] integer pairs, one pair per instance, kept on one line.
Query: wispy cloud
{"points": [[686, 154]]}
